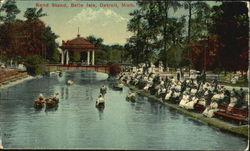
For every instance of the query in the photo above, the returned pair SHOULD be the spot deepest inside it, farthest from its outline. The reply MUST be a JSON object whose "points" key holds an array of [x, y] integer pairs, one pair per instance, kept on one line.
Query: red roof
{"points": [[78, 44]]}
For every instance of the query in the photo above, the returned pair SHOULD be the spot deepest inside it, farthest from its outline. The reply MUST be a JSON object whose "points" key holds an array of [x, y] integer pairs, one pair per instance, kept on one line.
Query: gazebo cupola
{"points": [[78, 44]]}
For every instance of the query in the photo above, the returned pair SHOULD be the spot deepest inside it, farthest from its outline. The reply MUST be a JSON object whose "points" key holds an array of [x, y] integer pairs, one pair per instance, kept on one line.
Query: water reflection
{"points": [[100, 112], [62, 93], [67, 93], [51, 109]]}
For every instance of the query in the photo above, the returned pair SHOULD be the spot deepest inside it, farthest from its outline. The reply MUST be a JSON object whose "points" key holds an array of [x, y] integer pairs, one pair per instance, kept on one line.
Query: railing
{"points": [[101, 68]]}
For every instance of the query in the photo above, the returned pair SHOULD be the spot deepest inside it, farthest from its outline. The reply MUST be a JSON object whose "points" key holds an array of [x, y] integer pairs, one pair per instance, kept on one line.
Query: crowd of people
{"points": [[186, 92]]}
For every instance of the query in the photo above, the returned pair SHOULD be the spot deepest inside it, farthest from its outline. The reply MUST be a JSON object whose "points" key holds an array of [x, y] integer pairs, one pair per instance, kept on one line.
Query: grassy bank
{"points": [[13, 79], [222, 125]]}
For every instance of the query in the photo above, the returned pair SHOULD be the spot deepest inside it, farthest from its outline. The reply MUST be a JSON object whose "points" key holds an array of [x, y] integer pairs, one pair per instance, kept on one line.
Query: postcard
{"points": [[124, 75]]}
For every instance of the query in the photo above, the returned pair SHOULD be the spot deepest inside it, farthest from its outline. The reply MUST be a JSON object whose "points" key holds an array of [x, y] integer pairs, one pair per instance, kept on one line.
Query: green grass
{"points": [[240, 130], [238, 84]]}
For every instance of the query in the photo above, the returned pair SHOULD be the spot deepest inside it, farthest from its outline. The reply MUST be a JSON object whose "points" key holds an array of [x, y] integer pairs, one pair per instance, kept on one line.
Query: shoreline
{"points": [[12, 83], [214, 122]]}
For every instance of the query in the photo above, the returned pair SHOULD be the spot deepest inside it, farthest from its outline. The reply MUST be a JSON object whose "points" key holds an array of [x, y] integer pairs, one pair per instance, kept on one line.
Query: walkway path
{"points": [[164, 74]]}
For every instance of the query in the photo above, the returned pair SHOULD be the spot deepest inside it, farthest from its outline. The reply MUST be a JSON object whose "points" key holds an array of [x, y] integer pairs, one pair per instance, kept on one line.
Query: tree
{"points": [[174, 55], [231, 26], [198, 26], [32, 14], [50, 47], [96, 41], [11, 10], [34, 65], [163, 11], [135, 44], [101, 54], [150, 25], [204, 53]]}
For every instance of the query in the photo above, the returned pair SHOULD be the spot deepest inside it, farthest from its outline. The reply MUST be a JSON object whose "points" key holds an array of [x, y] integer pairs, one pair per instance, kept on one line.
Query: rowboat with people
{"points": [[118, 86], [103, 90], [131, 97], [69, 82], [39, 103], [100, 102], [52, 101]]}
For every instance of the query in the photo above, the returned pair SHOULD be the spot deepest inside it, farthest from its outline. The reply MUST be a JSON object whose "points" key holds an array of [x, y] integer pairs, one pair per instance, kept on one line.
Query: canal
{"points": [[76, 123]]}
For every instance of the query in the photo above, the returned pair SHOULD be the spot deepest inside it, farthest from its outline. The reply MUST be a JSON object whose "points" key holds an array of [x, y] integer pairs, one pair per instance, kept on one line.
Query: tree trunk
{"points": [[189, 32], [165, 16]]}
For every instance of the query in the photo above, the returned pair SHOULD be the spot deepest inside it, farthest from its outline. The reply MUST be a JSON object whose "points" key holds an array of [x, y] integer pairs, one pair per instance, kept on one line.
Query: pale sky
{"points": [[109, 23]]}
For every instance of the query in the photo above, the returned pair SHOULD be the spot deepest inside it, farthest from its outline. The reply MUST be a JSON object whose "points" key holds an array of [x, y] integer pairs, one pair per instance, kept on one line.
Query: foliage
{"points": [[216, 37], [231, 25], [20, 38], [96, 41], [74, 56], [32, 14], [51, 52], [114, 70], [154, 32], [34, 65], [106, 53], [11, 10], [204, 53], [100, 57]]}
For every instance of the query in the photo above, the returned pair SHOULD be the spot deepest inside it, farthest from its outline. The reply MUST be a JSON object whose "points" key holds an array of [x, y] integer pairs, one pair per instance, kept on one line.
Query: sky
{"points": [[109, 23]]}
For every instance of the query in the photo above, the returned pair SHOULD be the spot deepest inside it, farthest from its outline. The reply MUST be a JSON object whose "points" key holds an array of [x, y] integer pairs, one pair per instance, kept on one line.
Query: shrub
{"points": [[34, 65], [114, 70]]}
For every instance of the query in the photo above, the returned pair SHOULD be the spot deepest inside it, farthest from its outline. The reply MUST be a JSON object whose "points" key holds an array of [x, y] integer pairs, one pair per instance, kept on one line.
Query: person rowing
{"points": [[103, 90], [100, 100], [55, 97], [40, 102]]}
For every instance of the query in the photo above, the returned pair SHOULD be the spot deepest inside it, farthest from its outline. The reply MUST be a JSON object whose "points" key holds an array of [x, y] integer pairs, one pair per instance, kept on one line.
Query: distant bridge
{"points": [[99, 68]]}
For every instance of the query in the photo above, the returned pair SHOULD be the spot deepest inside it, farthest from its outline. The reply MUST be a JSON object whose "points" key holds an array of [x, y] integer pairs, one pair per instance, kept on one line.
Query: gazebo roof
{"points": [[78, 44]]}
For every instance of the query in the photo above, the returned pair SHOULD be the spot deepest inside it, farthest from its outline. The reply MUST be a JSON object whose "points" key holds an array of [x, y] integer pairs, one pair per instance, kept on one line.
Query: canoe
{"points": [[51, 104], [100, 105], [39, 104]]}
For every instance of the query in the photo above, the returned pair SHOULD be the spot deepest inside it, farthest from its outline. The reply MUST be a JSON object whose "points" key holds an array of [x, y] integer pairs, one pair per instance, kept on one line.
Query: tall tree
{"points": [[173, 56], [135, 43], [101, 54], [164, 13], [33, 13], [231, 25], [50, 46], [96, 41], [200, 11], [11, 10]]}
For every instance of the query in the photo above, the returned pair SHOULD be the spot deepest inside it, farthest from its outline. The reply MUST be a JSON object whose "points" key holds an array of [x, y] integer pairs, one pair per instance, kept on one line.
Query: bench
{"points": [[233, 113], [200, 108]]}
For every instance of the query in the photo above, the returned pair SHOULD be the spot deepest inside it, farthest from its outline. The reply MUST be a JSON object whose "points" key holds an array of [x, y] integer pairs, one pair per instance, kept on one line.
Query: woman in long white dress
{"points": [[209, 111]]}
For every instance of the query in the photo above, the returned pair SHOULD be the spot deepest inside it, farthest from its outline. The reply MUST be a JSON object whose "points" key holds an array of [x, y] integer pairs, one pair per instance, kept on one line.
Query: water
{"points": [[76, 123]]}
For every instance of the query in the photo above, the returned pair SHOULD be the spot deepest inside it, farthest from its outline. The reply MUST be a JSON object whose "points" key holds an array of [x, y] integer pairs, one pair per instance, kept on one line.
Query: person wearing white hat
{"points": [[41, 97]]}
